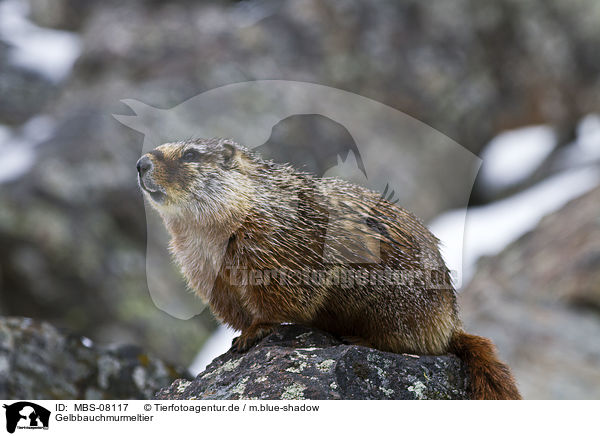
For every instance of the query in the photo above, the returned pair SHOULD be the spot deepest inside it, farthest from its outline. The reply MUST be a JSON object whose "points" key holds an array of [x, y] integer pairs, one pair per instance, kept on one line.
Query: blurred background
{"points": [[516, 82]]}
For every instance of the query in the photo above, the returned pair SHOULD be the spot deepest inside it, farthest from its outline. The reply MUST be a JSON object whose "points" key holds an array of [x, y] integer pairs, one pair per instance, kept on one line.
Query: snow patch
{"points": [[488, 229], [588, 136], [218, 343], [513, 155], [586, 148], [17, 147], [49, 52]]}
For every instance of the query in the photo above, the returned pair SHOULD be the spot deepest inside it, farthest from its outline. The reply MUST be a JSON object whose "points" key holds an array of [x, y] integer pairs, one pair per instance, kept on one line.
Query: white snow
{"points": [[513, 155], [15, 157], [14, 162], [488, 229], [50, 52], [17, 148], [588, 136], [218, 343], [38, 129], [468, 234], [586, 148]]}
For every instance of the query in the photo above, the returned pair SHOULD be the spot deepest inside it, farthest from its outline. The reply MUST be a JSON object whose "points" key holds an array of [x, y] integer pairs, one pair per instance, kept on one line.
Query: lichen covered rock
{"points": [[296, 362], [38, 362]]}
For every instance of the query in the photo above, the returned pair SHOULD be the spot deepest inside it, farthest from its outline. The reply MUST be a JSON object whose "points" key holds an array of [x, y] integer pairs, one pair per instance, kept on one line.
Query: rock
{"points": [[24, 93], [38, 362], [60, 14], [296, 362], [539, 300], [467, 69]]}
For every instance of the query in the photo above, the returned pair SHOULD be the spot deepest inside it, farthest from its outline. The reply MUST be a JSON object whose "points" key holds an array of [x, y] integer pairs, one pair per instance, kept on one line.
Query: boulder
{"points": [[24, 93], [39, 362], [297, 362], [539, 300]]}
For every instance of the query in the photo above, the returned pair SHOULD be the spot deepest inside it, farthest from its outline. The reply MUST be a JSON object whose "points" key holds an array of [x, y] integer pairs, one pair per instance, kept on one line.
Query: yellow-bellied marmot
{"points": [[264, 244]]}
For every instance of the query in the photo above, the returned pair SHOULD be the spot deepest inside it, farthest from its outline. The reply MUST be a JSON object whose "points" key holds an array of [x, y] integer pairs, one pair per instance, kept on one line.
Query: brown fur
{"points": [[490, 379], [228, 211]]}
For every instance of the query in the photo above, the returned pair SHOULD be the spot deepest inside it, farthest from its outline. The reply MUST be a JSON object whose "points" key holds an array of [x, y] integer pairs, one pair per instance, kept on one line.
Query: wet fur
{"points": [[231, 211]]}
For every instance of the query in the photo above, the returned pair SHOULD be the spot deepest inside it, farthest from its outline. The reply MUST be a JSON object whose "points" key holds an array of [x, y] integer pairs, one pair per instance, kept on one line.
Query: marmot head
{"points": [[202, 177]]}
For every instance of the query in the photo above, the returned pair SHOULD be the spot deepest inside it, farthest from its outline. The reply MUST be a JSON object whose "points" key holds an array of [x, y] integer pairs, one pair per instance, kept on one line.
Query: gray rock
{"points": [[467, 68], [60, 14], [296, 362], [24, 93], [539, 300], [38, 362]]}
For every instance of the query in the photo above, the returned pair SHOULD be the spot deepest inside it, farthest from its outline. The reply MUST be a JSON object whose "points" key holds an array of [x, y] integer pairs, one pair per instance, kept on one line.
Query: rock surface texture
{"points": [[296, 362], [539, 300], [38, 362]]}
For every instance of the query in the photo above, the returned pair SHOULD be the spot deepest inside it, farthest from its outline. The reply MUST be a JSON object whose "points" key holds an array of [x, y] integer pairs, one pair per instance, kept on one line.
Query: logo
{"points": [[322, 130], [26, 415]]}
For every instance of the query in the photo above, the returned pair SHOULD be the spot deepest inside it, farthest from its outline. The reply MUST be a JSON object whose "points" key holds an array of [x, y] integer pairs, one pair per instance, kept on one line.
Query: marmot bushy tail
{"points": [[490, 379], [263, 244]]}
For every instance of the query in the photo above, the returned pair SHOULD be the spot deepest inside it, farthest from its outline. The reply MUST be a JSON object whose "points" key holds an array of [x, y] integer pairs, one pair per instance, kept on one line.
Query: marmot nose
{"points": [[143, 165]]}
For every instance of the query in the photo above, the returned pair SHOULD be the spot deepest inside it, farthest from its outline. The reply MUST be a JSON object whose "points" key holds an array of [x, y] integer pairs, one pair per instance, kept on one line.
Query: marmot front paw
{"points": [[251, 336]]}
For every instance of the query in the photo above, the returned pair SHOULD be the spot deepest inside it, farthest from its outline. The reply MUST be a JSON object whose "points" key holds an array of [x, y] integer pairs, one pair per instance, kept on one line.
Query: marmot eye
{"points": [[191, 156]]}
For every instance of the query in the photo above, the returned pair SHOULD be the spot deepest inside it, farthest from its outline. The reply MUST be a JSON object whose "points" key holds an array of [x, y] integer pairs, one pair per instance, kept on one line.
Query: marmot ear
{"points": [[229, 151]]}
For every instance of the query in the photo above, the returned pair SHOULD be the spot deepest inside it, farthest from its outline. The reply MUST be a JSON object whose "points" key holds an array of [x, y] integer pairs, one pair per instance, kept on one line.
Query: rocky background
{"points": [[540, 299], [72, 222], [39, 362]]}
